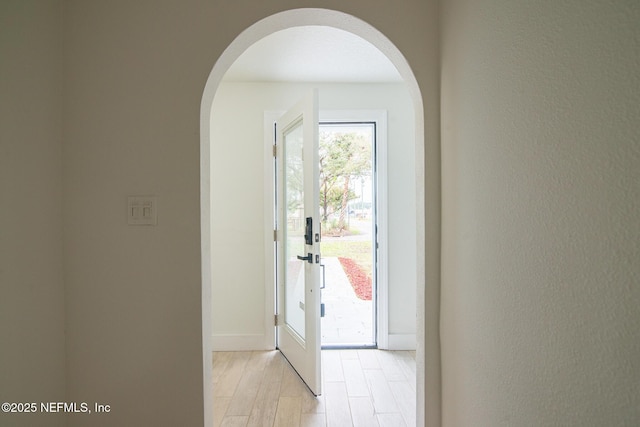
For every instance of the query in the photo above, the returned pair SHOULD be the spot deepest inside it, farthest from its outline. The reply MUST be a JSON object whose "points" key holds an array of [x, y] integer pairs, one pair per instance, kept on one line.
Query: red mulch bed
{"points": [[360, 281]]}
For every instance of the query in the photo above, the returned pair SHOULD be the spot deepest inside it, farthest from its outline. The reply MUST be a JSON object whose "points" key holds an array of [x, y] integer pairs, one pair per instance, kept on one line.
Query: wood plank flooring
{"points": [[368, 388]]}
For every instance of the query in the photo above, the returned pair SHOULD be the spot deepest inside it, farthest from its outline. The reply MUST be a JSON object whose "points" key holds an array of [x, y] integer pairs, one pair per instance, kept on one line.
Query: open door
{"points": [[298, 240]]}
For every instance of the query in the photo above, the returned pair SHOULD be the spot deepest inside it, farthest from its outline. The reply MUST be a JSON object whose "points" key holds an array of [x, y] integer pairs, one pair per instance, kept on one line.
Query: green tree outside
{"points": [[344, 156]]}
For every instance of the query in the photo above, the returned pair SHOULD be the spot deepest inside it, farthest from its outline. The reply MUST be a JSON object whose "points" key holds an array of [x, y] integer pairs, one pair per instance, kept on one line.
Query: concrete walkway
{"points": [[348, 319]]}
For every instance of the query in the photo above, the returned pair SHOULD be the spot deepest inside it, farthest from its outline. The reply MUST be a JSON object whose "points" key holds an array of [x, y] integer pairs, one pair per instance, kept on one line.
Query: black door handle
{"points": [[308, 258]]}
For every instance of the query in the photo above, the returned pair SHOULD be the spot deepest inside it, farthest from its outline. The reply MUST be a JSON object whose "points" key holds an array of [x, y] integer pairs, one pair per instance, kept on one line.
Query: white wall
{"points": [[541, 202], [32, 354], [238, 197]]}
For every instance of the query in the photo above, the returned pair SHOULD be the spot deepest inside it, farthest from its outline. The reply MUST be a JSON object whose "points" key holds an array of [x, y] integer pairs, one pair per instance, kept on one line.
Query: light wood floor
{"points": [[366, 388]]}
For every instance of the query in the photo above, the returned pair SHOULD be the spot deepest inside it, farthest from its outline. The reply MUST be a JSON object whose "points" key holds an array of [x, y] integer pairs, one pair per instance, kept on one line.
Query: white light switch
{"points": [[142, 210]]}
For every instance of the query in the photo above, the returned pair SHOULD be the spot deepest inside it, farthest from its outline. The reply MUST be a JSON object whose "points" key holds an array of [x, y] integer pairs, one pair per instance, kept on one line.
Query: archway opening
{"points": [[260, 30]]}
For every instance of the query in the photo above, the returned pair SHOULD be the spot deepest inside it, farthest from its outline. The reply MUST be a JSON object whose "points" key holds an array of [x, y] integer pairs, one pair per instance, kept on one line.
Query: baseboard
{"points": [[402, 341], [238, 342], [257, 342]]}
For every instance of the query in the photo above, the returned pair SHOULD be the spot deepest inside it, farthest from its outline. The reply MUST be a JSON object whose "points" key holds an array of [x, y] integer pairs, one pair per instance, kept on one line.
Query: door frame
{"points": [[379, 117]]}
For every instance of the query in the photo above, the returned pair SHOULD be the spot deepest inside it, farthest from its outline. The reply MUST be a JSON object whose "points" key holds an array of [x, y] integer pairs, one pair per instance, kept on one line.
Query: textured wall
{"points": [[541, 231], [32, 365]]}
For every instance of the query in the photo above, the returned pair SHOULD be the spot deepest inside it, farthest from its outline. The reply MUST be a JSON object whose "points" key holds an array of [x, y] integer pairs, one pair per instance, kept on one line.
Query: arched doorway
{"points": [[293, 18]]}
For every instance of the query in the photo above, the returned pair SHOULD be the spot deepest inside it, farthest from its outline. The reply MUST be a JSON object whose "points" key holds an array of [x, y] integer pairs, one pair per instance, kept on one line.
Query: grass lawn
{"points": [[360, 252]]}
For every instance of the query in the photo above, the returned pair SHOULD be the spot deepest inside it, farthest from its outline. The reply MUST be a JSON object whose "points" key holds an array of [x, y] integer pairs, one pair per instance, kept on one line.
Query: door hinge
{"points": [[275, 151], [276, 319], [275, 235]]}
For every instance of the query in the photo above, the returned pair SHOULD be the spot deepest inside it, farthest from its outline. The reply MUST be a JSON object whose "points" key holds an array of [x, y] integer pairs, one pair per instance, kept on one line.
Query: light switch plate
{"points": [[142, 210]]}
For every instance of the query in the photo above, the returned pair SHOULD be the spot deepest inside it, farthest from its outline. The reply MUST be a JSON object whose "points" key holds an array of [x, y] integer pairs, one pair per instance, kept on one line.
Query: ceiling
{"points": [[313, 54]]}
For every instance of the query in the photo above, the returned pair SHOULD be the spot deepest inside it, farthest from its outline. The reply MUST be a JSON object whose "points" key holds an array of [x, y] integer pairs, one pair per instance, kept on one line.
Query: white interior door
{"points": [[298, 241]]}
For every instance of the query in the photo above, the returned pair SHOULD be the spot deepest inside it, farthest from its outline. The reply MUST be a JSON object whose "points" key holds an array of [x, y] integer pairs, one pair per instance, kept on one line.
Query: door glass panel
{"points": [[294, 285]]}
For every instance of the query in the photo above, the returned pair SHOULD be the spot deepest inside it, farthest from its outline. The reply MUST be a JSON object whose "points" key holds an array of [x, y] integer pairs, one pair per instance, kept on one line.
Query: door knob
{"points": [[308, 258]]}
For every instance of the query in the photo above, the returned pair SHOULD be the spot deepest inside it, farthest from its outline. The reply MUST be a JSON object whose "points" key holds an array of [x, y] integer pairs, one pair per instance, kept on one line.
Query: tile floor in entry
{"points": [[360, 388]]}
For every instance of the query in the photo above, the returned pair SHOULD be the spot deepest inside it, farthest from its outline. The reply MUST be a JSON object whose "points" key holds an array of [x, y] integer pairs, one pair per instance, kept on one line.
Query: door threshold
{"points": [[349, 347]]}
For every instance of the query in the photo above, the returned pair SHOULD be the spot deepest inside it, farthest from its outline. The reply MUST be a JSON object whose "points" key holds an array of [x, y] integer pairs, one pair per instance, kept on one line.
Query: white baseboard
{"points": [[238, 342], [402, 341], [257, 342]]}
